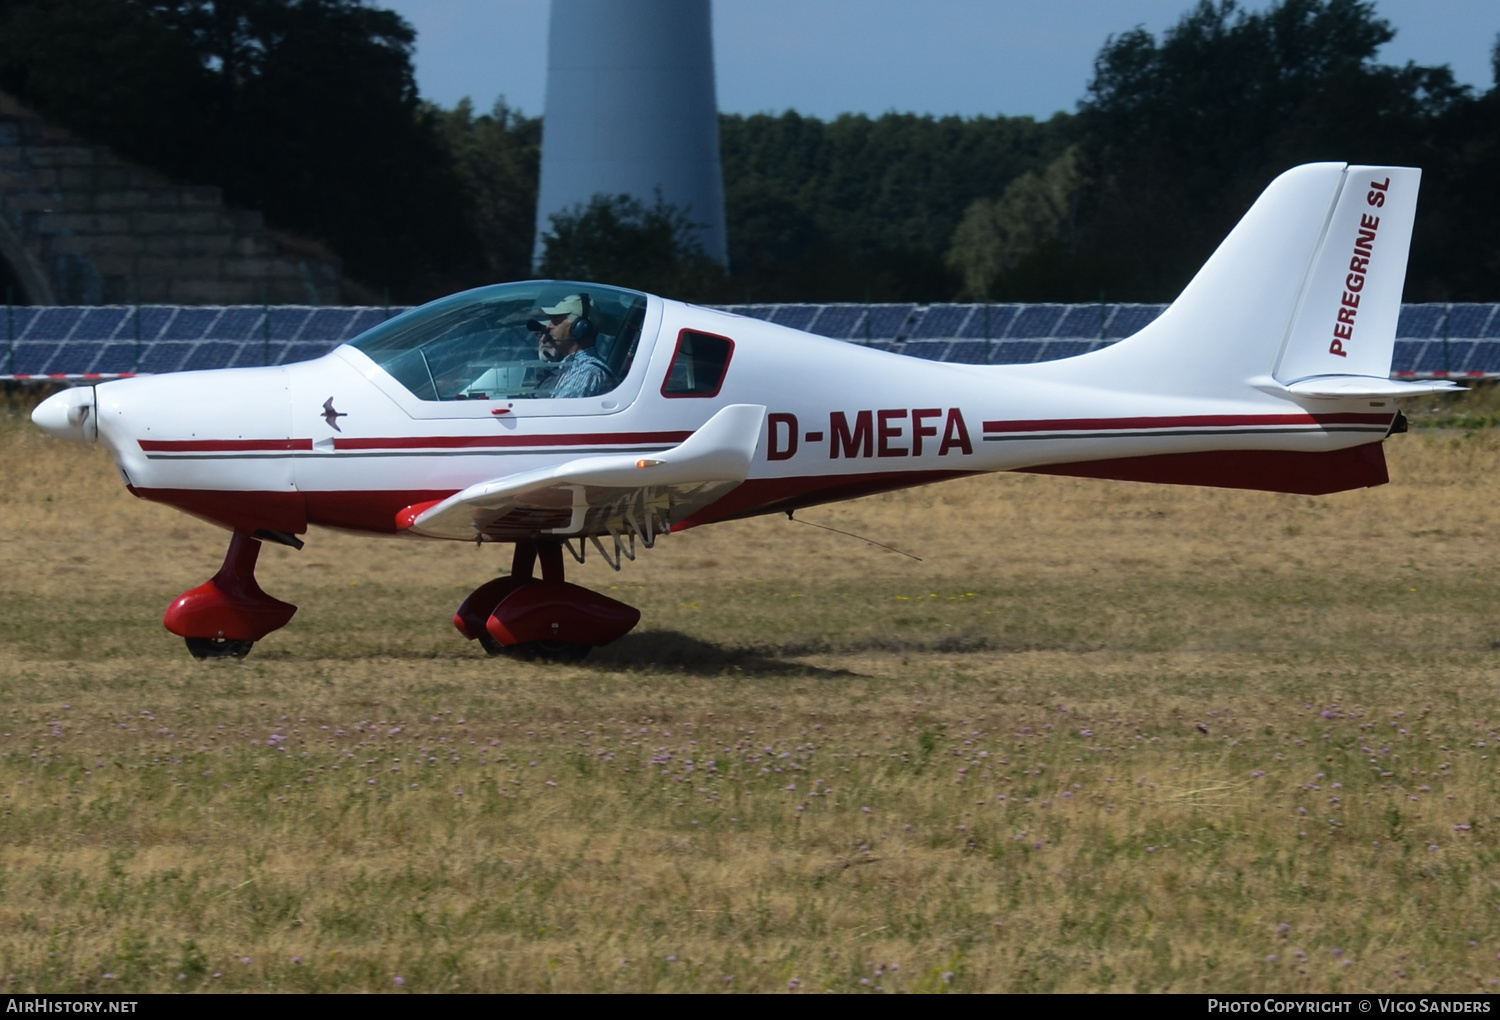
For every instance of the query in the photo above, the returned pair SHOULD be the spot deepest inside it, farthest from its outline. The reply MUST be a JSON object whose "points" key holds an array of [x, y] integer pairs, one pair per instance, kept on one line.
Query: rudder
{"points": [[1345, 323]]}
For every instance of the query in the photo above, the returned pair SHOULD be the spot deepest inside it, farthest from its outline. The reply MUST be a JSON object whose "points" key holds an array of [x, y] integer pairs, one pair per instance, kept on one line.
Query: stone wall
{"points": [[79, 225]]}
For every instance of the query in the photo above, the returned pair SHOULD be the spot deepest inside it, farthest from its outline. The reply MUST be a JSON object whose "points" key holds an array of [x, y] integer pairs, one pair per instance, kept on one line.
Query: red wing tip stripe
{"points": [[1185, 421], [492, 442], [223, 445]]}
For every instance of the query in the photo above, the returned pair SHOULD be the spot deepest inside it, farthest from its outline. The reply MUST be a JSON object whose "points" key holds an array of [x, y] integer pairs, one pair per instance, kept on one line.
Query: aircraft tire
{"points": [[217, 648], [489, 644]]}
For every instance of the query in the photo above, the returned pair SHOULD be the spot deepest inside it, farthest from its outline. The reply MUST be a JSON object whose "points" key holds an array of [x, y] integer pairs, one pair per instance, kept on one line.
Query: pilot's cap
{"points": [[570, 305]]}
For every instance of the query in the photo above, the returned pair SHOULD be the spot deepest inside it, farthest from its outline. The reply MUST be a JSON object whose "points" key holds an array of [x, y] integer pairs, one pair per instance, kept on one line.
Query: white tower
{"points": [[631, 110]]}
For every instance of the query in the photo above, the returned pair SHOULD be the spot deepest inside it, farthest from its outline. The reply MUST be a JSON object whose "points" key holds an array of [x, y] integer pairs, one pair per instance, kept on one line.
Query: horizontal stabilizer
{"points": [[1336, 387], [602, 495]]}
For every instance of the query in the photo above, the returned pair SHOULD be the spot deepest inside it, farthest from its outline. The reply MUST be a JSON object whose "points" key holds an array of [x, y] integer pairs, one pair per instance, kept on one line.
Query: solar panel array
{"points": [[112, 340], [976, 334], [1433, 340]]}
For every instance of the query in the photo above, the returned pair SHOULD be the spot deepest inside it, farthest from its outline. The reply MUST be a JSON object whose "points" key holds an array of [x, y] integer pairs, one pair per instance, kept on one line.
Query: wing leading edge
{"points": [[612, 494]]}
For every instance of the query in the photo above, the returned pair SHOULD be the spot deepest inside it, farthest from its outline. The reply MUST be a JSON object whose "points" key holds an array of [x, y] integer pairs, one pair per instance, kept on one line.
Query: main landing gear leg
{"points": [[223, 617], [546, 619]]}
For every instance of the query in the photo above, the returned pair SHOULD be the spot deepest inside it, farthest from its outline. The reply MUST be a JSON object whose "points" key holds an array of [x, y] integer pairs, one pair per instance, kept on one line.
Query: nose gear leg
{"points": [[224, 616]]}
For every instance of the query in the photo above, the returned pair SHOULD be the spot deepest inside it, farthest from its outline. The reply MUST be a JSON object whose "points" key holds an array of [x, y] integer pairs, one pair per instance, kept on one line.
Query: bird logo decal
{"points": [[331, 416]]}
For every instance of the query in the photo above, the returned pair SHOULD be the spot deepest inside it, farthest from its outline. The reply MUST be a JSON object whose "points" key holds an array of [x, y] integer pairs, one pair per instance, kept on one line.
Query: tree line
{"points": [[308, 110]]}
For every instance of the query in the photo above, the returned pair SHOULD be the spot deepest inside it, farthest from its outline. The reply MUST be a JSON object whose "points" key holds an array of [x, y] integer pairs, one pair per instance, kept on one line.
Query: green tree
{"points": [[864, 208], [1455, 250], [497, 157], [304, 109], [620, 240], [995, 236], [1186, 131]]}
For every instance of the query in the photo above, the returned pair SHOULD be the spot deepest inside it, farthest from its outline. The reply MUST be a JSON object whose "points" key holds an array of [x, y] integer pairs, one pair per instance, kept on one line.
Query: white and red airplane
{"points": [[1270, 371]]}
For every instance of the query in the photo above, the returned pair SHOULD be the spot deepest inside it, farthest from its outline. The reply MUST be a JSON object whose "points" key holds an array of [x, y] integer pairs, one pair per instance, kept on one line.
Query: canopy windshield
{"points": [[485, 344]]}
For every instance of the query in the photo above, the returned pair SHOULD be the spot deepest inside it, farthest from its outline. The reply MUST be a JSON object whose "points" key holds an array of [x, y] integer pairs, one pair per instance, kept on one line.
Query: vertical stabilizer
{"points": [[1306, 287], [1229, 324], [1345, 322]]}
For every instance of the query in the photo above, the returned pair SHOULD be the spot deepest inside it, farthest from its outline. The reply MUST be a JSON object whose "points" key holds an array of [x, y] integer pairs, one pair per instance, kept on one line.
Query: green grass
{"points": [[1105, 737], [1048, 816]]}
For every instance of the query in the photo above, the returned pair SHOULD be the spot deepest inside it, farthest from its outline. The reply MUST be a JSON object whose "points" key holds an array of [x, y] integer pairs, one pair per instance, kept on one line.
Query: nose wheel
{"points": [[224, 616], [218, 648]]}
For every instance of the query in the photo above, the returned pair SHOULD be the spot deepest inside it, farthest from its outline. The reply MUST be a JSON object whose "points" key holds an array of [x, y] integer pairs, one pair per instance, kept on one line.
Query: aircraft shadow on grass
{"points": [[673, 649], [679, 652], [676, 651], [668, 650]]}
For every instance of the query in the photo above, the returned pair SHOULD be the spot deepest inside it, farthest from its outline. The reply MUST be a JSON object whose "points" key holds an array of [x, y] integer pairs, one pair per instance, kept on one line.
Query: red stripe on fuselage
{"points": [[370, 511], [1313, 474], [248, 512], [490, 442], [1308, 474], [375, 511], [367, 511], [1182, 421], [413, 442], [223, 445]]}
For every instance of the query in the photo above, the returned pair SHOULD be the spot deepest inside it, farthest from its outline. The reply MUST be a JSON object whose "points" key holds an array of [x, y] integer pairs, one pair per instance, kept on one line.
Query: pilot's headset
{"points": [[584, 331]]}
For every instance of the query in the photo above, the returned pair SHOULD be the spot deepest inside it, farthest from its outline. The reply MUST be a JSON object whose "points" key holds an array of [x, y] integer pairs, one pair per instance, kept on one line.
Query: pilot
{"points": [[568, 338]]}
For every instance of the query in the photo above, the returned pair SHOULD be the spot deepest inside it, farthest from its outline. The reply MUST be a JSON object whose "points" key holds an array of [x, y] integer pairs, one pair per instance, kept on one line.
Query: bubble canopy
{"points": [[482, 344]]}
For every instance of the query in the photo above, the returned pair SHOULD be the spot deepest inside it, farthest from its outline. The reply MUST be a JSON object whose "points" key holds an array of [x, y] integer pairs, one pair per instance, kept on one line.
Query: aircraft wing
{"points": [[604, 495]]}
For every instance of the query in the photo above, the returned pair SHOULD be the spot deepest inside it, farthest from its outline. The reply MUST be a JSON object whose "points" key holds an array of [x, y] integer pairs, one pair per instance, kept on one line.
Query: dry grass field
{"points": [[1103, 736]]}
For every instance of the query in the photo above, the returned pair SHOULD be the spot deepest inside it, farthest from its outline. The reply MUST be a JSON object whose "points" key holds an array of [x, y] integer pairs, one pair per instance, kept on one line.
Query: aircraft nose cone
{"points": [[68, 415]]}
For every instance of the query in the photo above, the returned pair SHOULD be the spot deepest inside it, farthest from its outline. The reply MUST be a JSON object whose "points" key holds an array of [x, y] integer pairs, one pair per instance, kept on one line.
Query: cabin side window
{"points": [[512, 342], [698, 365]]}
